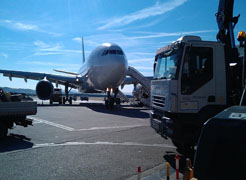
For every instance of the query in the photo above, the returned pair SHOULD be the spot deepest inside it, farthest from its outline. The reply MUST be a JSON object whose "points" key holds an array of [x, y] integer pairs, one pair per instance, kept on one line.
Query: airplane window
{"points": [[105, 53], [112, 51], [119, 52]]}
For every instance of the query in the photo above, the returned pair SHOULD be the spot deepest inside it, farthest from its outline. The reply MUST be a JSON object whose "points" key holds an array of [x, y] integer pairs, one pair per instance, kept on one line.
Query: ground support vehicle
{"points": [[56, 96], [194, 80], [15, 113]]}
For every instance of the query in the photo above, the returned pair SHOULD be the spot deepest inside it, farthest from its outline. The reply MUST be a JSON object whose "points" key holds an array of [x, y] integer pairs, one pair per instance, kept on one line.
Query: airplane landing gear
{"points": [[111, 98], [67, 98]]}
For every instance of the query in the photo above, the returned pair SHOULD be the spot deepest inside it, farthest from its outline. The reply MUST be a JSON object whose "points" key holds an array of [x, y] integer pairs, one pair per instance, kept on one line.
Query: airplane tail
{"points": [[83, 51]]}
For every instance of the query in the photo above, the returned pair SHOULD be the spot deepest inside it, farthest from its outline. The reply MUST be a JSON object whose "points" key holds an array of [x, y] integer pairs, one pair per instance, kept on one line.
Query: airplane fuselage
{"points": [[106, 68]]}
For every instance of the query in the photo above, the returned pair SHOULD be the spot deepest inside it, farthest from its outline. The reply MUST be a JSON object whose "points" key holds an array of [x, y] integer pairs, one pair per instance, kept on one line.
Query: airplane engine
{"points": [[44, 89]]}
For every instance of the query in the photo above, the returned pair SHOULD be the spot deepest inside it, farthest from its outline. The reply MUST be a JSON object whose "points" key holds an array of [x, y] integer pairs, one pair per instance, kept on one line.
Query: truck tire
{"points": [[3, 130]]}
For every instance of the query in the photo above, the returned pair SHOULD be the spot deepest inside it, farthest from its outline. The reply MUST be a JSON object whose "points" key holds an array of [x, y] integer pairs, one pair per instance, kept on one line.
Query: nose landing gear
{"points": [[111, 98]]}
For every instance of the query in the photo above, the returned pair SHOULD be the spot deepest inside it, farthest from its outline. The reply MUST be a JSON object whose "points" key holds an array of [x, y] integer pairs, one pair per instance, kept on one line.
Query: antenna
{"points": [[83, 51]]}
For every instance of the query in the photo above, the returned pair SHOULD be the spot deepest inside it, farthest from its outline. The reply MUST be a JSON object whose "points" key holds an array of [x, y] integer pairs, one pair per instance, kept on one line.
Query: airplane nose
{"points": [[115, 72], [109, 73]]}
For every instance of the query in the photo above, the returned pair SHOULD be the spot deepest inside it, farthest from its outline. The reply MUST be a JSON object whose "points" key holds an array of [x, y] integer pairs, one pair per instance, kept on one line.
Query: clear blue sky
{"points": [[42, 35]]}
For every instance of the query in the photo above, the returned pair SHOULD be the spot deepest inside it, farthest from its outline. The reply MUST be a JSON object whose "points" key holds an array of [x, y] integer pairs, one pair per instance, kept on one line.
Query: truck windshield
{"points": [[166, 65]]}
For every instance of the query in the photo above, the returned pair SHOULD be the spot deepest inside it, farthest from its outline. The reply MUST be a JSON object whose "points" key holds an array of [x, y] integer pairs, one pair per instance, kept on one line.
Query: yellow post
{"points": [[168, 170], [188, 174]]}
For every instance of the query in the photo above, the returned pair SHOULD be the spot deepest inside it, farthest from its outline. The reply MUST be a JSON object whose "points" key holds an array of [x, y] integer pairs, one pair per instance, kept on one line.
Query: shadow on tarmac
{"points": [[15, 142], [120, 110]]}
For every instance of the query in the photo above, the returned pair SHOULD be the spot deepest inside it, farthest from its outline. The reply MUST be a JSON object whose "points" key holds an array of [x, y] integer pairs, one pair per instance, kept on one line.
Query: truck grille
{"points": [[158, 101]]}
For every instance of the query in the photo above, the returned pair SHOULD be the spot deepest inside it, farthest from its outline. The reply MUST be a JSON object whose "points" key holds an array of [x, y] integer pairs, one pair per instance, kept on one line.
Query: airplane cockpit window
{"points": [[112, 51], [106, 52], [119, 52]]}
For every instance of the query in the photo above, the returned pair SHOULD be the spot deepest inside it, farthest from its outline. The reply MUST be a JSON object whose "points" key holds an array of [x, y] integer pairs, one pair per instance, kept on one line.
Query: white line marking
{"points": [[38, 121], [112, 127], [102, 143], [53, 124]]}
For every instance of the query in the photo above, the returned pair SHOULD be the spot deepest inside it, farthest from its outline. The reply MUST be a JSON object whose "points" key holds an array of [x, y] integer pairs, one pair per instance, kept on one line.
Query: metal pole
{"points": [[232, 35], [177, 166], [244, 54]]}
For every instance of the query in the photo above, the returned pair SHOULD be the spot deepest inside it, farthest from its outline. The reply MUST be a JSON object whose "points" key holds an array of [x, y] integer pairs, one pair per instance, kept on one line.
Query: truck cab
{"points": [[189, 87]]}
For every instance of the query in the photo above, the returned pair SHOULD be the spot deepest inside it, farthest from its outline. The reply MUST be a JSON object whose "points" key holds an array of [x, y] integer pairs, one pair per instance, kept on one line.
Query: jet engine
{"points": [[141, 95], [44, 89]]}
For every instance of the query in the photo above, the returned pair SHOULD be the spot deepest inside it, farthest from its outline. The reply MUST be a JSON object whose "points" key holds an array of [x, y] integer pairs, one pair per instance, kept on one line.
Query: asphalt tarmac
{"points": [[84, 141]]}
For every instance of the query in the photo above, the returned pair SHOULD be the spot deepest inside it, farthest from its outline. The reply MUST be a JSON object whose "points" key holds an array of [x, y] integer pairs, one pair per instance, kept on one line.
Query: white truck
{"points": [[194, 80], [13, 111]]}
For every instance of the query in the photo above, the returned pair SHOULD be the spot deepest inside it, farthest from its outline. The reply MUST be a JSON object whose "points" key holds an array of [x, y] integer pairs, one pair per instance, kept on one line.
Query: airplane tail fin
{"points": [[83, 50]]}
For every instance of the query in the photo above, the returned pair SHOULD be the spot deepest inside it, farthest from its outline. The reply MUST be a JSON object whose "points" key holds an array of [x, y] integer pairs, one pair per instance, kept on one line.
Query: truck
{"points": [[14, 111], [56, 96], [194, 80]]}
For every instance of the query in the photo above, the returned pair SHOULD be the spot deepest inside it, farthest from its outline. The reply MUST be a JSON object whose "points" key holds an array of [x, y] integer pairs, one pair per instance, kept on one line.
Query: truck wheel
{"points": [[3, 130]]}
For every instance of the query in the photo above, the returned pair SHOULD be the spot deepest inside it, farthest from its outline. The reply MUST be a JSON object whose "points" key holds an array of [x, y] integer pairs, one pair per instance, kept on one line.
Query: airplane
{"points": [[104, 71]]}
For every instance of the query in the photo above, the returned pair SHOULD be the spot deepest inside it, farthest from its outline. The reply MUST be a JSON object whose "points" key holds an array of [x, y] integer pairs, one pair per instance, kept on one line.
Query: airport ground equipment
{"points": [[14, 111], [57, 96], [194, 80], [141, 91]]}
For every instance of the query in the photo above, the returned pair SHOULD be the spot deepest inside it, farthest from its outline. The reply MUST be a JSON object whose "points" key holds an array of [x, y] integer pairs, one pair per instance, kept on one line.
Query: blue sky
{"points": [[42, 35]]}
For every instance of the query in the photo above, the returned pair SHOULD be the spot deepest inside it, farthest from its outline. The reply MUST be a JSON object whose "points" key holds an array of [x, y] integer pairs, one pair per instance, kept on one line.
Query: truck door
{"points": [[197, 84]]}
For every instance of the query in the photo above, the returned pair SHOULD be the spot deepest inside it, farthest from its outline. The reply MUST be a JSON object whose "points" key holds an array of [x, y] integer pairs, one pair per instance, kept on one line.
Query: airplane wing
{"points": [[71, 81]]}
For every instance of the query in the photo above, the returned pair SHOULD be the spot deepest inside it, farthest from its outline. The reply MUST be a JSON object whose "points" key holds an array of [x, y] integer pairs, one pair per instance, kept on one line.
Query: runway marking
{"points": [[111, 127], [53, 124], [37, 121], [102, 143]]}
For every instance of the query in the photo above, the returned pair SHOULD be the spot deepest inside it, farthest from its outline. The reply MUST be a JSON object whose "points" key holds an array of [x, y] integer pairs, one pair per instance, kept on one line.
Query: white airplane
{"points": [[104, 71]]}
